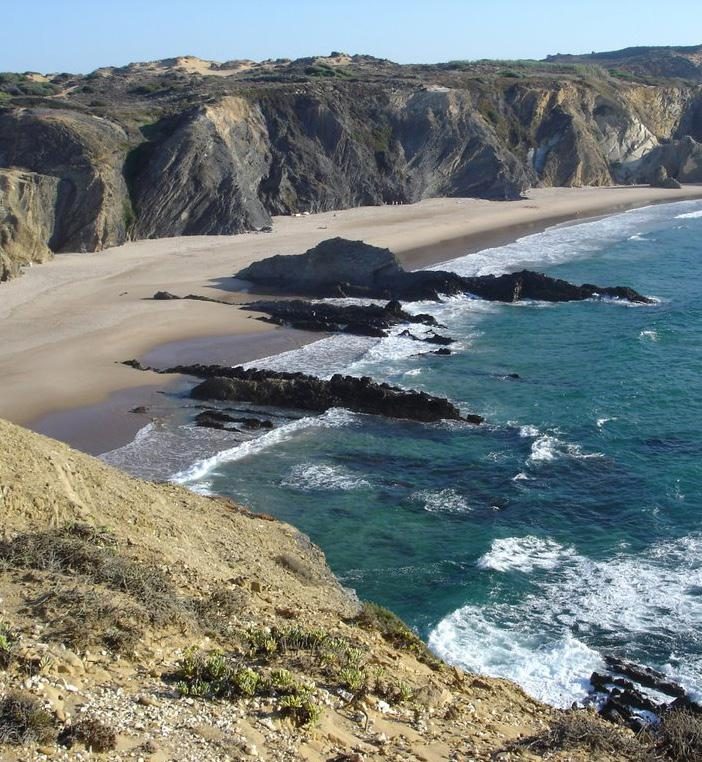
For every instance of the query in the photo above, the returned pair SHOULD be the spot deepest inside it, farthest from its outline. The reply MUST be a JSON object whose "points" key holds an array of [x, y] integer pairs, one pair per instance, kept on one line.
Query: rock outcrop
{"points": [[622, 693], [338, 267], [28, 204], [368, 320], [302, 392], [90, 209]]}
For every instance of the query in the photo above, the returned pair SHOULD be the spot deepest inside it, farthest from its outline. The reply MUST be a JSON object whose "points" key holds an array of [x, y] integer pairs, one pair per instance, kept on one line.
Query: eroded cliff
{"points": [[183, 147]]}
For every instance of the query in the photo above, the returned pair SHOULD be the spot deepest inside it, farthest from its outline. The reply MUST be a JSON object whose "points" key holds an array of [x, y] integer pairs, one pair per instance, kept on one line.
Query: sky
{"points": [[81, 35]]}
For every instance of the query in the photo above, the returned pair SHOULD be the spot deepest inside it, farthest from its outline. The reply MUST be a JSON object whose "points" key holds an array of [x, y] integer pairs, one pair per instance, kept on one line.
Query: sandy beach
{"points": [[68, 322]]}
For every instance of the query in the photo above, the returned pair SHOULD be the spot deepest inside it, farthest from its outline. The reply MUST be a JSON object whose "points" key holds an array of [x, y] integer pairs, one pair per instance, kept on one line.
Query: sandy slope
{"points": [[180, 549], [66, 323]]}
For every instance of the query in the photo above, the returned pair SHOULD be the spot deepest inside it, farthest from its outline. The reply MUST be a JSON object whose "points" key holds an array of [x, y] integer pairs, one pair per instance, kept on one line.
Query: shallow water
{"points": [[570, 525]]}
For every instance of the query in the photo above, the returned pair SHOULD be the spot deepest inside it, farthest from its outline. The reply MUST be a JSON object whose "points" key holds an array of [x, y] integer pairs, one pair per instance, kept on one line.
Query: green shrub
{"points": [[300, 708], [394, 630], [215, 676], [352, 679], [7, 645]]}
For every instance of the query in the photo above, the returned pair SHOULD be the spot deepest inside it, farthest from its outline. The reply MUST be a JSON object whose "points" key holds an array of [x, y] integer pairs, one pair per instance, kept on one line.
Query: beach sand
{"points": [[66, 324]]}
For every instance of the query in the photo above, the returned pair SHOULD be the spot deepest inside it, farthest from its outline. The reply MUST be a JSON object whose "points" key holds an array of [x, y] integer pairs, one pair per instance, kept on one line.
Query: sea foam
{"points": [[332, 418], [524, 554], [310, 477], [541, 639]]}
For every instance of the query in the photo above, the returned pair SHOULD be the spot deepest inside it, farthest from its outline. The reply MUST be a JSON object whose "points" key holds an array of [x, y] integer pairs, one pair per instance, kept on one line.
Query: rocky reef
{"points": [[361, 320], [169, 148], [623, 693], [339, 267], [302, 392]]}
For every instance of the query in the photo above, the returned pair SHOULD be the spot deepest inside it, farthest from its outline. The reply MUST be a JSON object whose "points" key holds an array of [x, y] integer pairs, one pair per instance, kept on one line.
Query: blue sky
{"points": [[81, 35]]}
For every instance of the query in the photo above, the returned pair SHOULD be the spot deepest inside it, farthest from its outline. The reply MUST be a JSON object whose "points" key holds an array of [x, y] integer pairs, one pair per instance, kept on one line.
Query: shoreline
{"points": [[117, 286]]}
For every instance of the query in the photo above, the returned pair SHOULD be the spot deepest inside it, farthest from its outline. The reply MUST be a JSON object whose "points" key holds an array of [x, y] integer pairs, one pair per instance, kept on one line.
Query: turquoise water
{"points": [[569, 526]]}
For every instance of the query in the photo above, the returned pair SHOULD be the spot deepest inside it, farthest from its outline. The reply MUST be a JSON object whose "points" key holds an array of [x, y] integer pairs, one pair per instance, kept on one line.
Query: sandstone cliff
{"points": [[183, 147]]}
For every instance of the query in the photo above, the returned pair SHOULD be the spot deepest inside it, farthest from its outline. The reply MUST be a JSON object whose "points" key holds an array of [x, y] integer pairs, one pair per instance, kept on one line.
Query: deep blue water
{"points": [[567, 527]]}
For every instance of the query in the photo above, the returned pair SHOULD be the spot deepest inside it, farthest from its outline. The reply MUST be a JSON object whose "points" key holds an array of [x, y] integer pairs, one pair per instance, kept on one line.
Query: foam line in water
{"points": [[689, 215], [311, 477], [554, 671], [524, 554], [334, 417], [441, 501], [565, 243]]}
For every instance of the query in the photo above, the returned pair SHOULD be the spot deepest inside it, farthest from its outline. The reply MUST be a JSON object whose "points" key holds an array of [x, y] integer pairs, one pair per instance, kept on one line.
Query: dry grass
{"points": [[91, 733], [579, 730], [91, 593], [679, 736], [83, 617], [24, 721], [79, 550]]}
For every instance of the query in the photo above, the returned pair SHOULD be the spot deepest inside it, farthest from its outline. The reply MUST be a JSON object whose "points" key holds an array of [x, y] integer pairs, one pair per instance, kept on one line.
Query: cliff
{"points": [[184, 147], [147, 621]]}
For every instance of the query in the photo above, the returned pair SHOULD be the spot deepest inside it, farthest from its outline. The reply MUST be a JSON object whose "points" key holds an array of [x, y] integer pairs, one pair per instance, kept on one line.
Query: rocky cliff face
{"points": [[27, 219], [151, 151]]}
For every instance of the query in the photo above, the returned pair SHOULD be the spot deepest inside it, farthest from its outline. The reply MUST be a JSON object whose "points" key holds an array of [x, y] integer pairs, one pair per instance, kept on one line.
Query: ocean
{"points": [[567, 527]]}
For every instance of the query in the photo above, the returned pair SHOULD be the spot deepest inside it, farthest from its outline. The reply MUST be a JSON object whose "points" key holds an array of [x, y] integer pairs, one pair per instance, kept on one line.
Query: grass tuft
{"points": [[92, 734], [23, 721]]}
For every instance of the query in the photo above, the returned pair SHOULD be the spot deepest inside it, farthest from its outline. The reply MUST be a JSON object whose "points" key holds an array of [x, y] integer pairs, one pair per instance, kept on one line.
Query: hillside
{"points": [[643, 61], [152, 622], [185, 146]]}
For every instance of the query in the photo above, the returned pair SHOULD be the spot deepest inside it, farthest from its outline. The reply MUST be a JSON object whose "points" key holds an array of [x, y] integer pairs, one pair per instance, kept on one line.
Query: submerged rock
{"points": [[339, 267], [218, 419]]}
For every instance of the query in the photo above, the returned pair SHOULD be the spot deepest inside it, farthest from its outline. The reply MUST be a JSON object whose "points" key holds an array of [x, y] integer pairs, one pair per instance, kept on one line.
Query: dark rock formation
{"points": [[646, 676], [338, 267], [661, 179], [166, 296], [303, 392], [621, 692], [368, 320], [431, 338], [218, 419]]}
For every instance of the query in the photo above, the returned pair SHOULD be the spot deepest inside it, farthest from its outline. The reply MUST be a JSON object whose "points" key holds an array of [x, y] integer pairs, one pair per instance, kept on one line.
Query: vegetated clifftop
{"points": [[184, 146], [147, 621], [646, 61]]}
